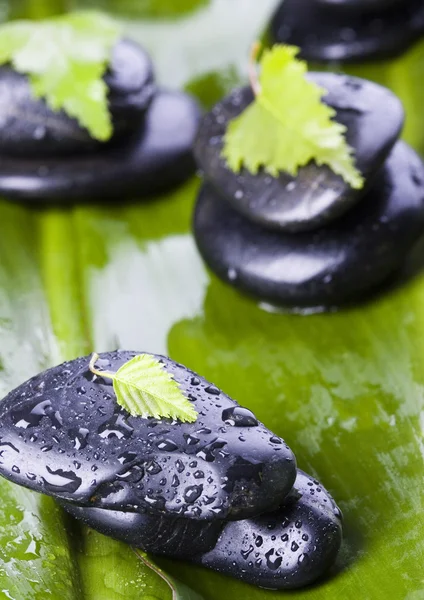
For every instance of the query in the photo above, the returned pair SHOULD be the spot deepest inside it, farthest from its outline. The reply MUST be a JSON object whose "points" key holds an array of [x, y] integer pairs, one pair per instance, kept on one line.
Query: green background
{"points": [[344, 389]]}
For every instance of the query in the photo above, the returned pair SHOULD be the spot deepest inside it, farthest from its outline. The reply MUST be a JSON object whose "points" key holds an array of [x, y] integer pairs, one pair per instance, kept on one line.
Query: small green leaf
{"points": [[288, 125], [145, 389], [65, 58]]}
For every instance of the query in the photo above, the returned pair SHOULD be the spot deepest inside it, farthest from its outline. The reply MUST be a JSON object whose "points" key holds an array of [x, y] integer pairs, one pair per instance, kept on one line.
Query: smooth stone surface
{"points": [[317, 195], [29, 128], [182, 538], [365, 5], [326, 268], [289, 548], [158, 157], [63, 434], [326, 34]]}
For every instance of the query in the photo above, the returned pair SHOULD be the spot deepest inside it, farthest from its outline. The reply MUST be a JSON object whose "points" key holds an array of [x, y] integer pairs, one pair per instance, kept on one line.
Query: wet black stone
{"points": [[182, 538], [157, 157], [328, 267], [367, 5], [327, 34], [317, 195], [135, 464], [288, 548], [29, 128]]}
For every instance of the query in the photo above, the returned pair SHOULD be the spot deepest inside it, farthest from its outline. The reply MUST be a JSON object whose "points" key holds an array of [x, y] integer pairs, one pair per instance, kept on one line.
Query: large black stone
{"points": [[317, 195], [327, 267], [63, 434], [29, 128], [289, 548], [157, 157], [327, 34]]}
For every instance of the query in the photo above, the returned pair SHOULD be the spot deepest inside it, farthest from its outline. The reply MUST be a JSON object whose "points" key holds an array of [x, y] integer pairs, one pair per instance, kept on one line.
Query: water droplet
{"points": [[199, 475], [80, 437], [285, 537], [259, 541], [294, 547], [175, 481], [298, 524], [192, 493], [195, 381], [61, 481], [153, 468], [305, 537], [303, 558], [39, 132], [16, 469], [116, 427], [246, 553], [276, 440], [211, 389], [179, 465], [190, 439], [167, 446], [273, 562], [237, 416]]}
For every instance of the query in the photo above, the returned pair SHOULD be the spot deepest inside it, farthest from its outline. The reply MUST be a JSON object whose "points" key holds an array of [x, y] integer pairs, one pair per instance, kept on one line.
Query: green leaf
{"points": [[65, 58], [144, 388], [288, 125]]}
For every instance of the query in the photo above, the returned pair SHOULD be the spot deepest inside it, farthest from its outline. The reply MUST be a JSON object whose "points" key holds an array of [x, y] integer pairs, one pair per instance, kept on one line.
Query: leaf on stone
{"points": [[144, 388], [288, 125], [65, 59]]}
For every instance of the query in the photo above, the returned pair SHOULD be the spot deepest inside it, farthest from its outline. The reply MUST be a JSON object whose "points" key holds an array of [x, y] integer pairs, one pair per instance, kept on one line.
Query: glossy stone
{"points": [[366, 5], [317, 195], [29, 128], [157, 157], [326, 34], [63, 433], [286, 549], [181, 538], [327, 267]]}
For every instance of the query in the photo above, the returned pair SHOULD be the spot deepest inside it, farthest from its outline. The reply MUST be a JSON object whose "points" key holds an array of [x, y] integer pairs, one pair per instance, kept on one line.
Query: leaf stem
{"points": [[253, 71], [92, 367]]}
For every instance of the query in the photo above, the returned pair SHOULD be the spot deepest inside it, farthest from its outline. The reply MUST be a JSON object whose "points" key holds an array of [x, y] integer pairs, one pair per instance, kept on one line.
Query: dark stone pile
{"points": [[312, 241]]}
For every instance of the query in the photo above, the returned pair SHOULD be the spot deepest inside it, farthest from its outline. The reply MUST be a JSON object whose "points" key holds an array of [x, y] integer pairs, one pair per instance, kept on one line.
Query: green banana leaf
{"points": [[346, 389]]}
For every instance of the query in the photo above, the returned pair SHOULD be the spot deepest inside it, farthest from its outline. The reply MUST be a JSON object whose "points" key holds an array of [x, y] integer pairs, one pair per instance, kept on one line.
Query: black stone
{"points": [[30, 129], [289, 548], [157, 157], [63, 434], [317, 195], [365, 5], [177, 537], [328, 34], [328, 267]]}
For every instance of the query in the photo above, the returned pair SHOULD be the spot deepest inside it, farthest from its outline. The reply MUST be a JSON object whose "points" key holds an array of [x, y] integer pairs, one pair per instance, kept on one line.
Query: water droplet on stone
{"points": [[237, 416]]}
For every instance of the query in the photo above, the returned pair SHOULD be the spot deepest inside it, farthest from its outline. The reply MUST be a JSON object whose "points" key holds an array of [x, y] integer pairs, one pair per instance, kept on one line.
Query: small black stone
{"points": [[317, 195], [157, 157], [126, 463], [29, 128], [324, 268], [289, 548], [327, 34], [168, 536]]}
